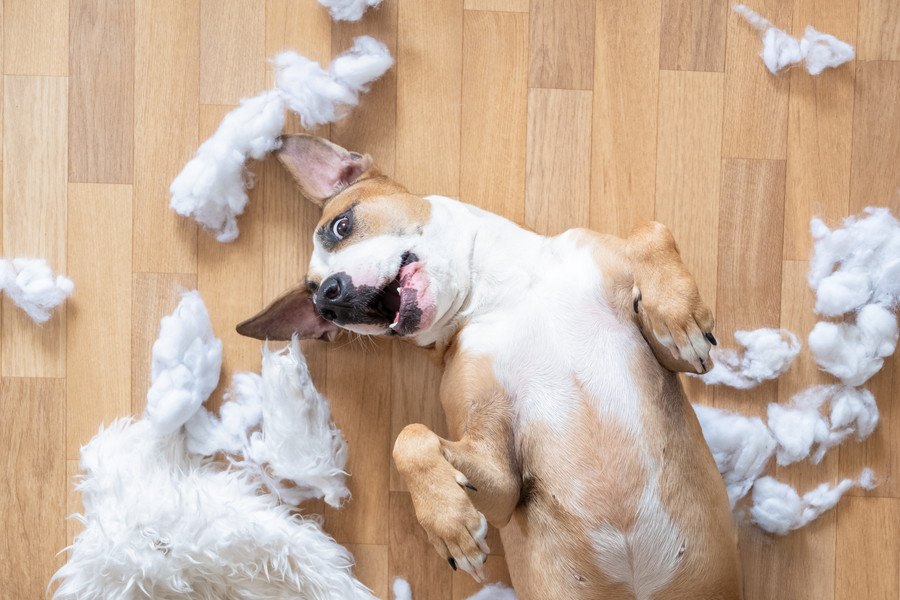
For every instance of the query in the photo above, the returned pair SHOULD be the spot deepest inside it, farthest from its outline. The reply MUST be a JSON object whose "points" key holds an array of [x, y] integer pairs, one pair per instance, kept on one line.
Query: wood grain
{"points": [[623, 132], [756, 102], [101, 91], [34, 214], [494, 91], [33, 498], [879, 30], [562, 44], [232, 48], [558, 180], [429, 65], [876, 137], [868, 551], [36, 38], [692, 35], [498, 5], [749, 261], [819, 131], [98, 390]]}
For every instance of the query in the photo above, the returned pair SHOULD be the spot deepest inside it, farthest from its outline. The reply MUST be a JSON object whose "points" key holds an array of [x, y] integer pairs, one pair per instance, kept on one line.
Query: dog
{"points": [[572, 432]]}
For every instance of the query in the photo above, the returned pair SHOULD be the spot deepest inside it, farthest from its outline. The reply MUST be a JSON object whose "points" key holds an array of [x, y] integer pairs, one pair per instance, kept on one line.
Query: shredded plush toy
{"points": [[32, 286], [818, 51], [163, 522], [348, 10], [496, 591], [767, 354], [212, 187]]}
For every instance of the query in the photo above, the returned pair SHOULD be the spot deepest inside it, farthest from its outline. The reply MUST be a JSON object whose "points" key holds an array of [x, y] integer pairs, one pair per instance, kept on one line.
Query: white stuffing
{"points": [[163, 522], [185, 365], [778, 508], [767, 354], [741, 447], [818, 51], [296, 441], [495, 591], [212, 187], [802, 431], [855, 272], [32, 286], [348, 10]]}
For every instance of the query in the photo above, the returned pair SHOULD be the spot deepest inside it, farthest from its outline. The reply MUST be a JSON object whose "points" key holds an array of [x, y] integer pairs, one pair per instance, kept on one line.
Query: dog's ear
{"points": [[321, 168], [292, 314]]}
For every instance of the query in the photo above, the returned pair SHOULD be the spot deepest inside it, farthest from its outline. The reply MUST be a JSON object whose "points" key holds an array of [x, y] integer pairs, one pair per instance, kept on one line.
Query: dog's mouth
{"points": [[396, 304]]}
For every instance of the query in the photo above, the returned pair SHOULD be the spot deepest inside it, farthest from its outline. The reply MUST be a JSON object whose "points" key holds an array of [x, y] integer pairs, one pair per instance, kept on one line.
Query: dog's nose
{"points": [[333, 295]]}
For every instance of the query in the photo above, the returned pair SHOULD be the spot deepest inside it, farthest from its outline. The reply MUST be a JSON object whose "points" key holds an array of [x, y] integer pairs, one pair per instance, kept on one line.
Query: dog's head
{"points": [[373, 270]]}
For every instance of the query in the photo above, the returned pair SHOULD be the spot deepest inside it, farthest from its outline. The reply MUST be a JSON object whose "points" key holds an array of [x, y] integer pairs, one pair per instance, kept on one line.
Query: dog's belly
{"points": [[618, 486]]}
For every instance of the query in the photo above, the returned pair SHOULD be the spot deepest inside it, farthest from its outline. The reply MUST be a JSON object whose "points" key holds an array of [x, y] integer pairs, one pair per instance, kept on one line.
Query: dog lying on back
{"points": [[573, 434]]}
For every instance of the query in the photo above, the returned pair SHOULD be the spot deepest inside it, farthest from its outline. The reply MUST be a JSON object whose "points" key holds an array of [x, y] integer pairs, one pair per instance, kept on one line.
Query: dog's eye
{"points": [[341, 227]]}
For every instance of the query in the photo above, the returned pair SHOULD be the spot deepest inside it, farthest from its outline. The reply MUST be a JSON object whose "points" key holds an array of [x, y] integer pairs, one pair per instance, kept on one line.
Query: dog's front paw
{"points": [[671, 311], [454, 527]]}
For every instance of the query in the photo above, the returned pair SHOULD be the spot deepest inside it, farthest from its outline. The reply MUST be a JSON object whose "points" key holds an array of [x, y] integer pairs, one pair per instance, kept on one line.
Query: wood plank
{"points": [[688, 165], [879, 30], [415, 397], [232, 50], [751, 215], [167, 63], [562, 44], [557, 185], [101, 91], [372, 126], [692, 35], [498, 5], [801, 565], [300, 25], [36, 38], [756, 102], [868, 549], [33, 499], [412, 556], [229, 276], [372, 567], [626, 87], [359, 388], [429, 65], [819, 134], [155, 295], [34, 214], [494, 112], [98, 385], [876, 137]]}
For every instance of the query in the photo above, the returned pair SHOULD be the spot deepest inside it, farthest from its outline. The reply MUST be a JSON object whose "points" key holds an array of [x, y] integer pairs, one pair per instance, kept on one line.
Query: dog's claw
{"points": [[452, 562], [469, 486], [702, 364], [712, 339]]}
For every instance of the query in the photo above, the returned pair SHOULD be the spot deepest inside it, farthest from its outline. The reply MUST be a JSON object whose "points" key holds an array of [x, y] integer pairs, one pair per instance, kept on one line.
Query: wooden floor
{"points": [[556, 114]]}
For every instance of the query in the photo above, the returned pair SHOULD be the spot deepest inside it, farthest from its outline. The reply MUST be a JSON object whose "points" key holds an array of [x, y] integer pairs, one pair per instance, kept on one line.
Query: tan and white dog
{"points": [[574, 436]]}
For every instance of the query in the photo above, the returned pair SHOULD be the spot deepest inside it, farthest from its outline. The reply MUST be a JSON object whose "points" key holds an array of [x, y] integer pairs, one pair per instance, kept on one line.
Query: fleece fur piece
{"points": [[163, 522], [212, 187], [296, 440], [32, 286]]}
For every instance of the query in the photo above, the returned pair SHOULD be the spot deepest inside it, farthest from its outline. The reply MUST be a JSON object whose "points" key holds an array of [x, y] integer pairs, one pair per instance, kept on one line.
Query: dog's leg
{"points": [[671, 314], [457, 487]]}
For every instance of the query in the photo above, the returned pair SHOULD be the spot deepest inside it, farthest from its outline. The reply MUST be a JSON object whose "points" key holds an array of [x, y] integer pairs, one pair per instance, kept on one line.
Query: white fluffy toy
{"points": [[212, 187], [818, 51], [348, 10], [163, 522], [32, 286], [766, 355]]}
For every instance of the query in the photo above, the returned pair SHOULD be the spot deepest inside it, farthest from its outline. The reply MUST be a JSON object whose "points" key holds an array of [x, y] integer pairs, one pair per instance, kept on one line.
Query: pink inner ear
{"points": [[292, 314], [320, 167]]}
